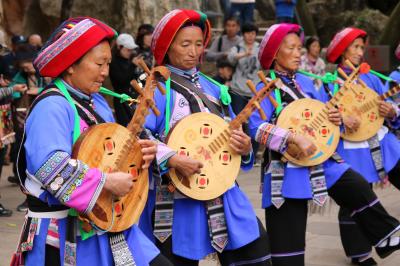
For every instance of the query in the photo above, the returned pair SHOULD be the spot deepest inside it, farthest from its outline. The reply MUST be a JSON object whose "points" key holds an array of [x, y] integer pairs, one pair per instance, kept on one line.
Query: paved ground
{"points": [[323, 242]]}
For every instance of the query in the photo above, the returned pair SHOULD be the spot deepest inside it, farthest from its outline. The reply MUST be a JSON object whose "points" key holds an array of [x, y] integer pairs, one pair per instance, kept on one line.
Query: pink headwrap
{"points": [[397, 52], [272, 41]]}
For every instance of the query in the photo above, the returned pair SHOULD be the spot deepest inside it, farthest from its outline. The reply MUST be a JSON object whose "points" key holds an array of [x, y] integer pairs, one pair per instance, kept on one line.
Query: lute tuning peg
{"points": [[143, 66], [137, 87], [342, 73], [252, 87], [265, 81], [349, 64]]}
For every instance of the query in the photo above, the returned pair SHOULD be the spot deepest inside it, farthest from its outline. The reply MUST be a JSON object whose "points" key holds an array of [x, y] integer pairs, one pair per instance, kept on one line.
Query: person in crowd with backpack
{"points": [[244, 57], [220, 47]]}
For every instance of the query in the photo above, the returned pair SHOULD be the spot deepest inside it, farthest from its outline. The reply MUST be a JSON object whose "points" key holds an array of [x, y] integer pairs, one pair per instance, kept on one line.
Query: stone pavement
{"points": [[323, 242]]}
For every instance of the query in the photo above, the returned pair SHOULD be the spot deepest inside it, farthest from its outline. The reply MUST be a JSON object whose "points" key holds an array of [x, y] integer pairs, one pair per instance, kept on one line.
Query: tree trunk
{"points": [[305, 18], [66, 8], [391, 34]]}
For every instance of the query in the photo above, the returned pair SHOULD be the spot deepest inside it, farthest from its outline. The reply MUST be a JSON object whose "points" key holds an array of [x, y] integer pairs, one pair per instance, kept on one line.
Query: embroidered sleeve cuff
{"points": [[395, 122], [247, 161], [163, 167], [247, 158], [71, 181], [273, 137], [163, 154], [96, 194]]}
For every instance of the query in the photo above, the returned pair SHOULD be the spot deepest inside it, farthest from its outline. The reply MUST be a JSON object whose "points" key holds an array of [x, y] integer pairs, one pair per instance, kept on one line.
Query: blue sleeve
{"points": [[49, 128], [156, 124], [247, 160], [307, 86], [323, 96], [102, 108], [255, 119], [395, 75]]}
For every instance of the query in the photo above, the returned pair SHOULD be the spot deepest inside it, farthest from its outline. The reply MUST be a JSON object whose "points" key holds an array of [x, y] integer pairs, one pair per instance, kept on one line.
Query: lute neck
{"points": [[393, 91]]}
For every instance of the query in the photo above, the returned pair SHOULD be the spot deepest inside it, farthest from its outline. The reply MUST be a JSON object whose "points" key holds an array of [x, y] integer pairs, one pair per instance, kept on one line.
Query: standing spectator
{"points": [[284, 10], [143, 38], [311, 60], [35, 83], [6, 127], [244, 9], [35, 40], [226, 7], [7, 62], [395, 76], [244, 57], [221, 46], [122, 71]]}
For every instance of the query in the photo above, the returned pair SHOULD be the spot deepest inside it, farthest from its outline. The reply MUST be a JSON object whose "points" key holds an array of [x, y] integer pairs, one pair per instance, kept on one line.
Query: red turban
{"points": [[397, 52], [69, 42], [272, 41], [165, 31], [341, 41]]}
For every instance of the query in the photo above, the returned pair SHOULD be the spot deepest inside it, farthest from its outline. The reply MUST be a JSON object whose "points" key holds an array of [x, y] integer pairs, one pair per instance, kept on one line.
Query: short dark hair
{"points": [[224, 63], [232, 18], [310, 40], [249, 27], [143, 30], [25, 53]]}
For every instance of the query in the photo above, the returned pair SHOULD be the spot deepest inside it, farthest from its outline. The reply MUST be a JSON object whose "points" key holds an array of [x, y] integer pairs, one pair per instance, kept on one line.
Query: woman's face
{"points": [[186, 48], [289, 53], [314, 49], [231, 28], [355, 52], [249, 37], [125, 52], [27, 67], [89, 74], [147, 40]]}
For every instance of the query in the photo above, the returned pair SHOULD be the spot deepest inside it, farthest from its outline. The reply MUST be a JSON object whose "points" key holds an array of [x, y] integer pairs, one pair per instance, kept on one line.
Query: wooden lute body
{"points": [[111, 147], [205, 137], [309, 118], [362, 103]]}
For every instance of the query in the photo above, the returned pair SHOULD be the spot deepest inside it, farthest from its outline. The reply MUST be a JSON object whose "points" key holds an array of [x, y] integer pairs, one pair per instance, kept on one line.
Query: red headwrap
{"points": [[397, 52], [341, 41], [69, 42], [165, 31], [272, 41]]}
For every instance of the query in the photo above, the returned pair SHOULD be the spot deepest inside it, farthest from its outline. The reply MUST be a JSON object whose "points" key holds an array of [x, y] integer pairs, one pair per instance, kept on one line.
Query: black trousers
{"points": [[286, 226], [354, 242], [256, 253], [15, 149]]}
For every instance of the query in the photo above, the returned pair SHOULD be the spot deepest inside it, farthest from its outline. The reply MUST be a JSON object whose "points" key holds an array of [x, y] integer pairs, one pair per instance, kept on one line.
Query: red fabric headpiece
{"points": [[341, 41], [272, 41], [397, 52], [69, 42], [165, 31]]}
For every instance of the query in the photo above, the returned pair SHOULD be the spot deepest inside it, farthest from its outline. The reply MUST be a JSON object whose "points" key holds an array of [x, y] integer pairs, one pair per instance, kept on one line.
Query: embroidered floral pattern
{"points": [[64, 41], [272, 136], [28, 244], [62, 175], [52, 167], [80, 173]]}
